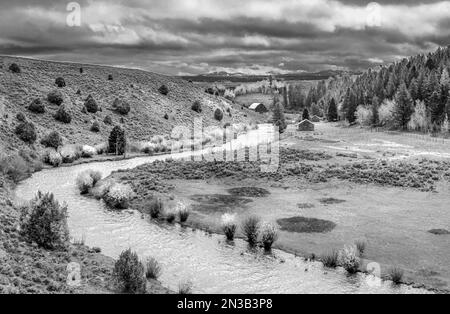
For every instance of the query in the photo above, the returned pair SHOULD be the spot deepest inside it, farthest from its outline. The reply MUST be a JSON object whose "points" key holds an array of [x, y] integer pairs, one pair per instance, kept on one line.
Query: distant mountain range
{"points": [[241, 77]]}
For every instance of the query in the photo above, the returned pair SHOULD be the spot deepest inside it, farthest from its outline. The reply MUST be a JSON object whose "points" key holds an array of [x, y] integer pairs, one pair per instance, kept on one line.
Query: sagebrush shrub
{"points": [[218, 114], [37, 106], [129, 273], [70, 153], [118, 196], [117, 141], [26, 131], [88, 151], [91, 105], [84, 182], [197, 106], [60, 82], [348, 258], [250, 228], [21, 117], [95, 127], [63, 115], [15, 167], [229, 225], [152, 269], [53, 158], [121, 106], [14, 68], [45, 222], [108, 120], [53, 139], [55, 97], [269, 234], [88, 179], [163, 90]]}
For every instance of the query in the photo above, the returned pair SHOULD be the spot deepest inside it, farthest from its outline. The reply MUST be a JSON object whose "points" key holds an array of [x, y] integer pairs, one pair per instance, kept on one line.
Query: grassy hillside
{"points": [[138, 88]]}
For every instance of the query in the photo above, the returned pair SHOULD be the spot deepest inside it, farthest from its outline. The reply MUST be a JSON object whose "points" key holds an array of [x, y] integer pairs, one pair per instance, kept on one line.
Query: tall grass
{"points": [[156, 208], [330, 259], [269, 234], [250, 228], [185, 287], [361, 246], [229, 226], [396, 275], [152, 269], [182, 212]]}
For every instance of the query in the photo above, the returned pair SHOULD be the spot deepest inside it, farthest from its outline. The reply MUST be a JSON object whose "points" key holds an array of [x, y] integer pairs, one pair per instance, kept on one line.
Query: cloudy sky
{"points": [[201, 36]]}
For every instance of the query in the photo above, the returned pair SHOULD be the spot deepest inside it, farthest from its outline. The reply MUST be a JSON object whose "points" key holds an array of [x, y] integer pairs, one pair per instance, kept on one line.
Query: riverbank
{"points": [[331, 187], [27, 269]]}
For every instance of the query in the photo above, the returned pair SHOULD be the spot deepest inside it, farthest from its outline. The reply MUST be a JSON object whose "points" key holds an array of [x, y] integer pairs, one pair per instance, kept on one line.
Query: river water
{"points": [[210, 263]]}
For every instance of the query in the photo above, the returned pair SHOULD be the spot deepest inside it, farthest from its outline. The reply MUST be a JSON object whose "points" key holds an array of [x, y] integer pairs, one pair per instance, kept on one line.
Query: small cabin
{"points": [[306, 126], [315, 119], [258, 107]]}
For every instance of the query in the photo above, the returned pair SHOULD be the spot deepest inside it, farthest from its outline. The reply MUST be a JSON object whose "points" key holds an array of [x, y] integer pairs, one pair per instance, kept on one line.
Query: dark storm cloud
{"points": [[195, 36]]}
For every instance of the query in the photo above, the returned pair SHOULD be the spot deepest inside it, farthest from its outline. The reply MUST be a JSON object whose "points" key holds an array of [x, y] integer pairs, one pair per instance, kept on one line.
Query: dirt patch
{"points": [[249, 192], [306, 225], [439, 232], [218, 203], [331, 201]]}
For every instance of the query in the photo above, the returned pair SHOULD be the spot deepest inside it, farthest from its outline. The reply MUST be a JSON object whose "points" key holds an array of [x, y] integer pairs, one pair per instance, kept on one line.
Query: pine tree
{"points": [[305, 115], [117, 141], [375, 106], [332, 111], [404, 107], [278, 118]]}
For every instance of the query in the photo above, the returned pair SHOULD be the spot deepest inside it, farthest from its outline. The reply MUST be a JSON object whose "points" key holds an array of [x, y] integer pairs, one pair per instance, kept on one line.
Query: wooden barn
{"points": [[306, 126], [315, 119], [259, 107]]}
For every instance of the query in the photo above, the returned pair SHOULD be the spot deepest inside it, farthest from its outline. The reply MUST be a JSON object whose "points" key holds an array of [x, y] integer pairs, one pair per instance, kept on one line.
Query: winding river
{"points": [[208, 261]]}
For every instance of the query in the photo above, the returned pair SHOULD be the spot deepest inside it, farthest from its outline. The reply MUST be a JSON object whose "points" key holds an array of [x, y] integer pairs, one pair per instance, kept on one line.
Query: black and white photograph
{"points": [[222, 154]]}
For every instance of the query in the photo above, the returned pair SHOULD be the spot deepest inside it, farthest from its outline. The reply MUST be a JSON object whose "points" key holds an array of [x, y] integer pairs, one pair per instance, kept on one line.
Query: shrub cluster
{"points": [[90, 104], [37, 106], [63, 115], [45, 222], [110, 77], [55, 97], [53, 139], [121, 106], [182, 212], [26, 131], [129, 273]]}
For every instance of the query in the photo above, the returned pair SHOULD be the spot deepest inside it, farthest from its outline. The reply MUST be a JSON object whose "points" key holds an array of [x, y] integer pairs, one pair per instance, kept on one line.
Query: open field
{"points": [[385, 190]]}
